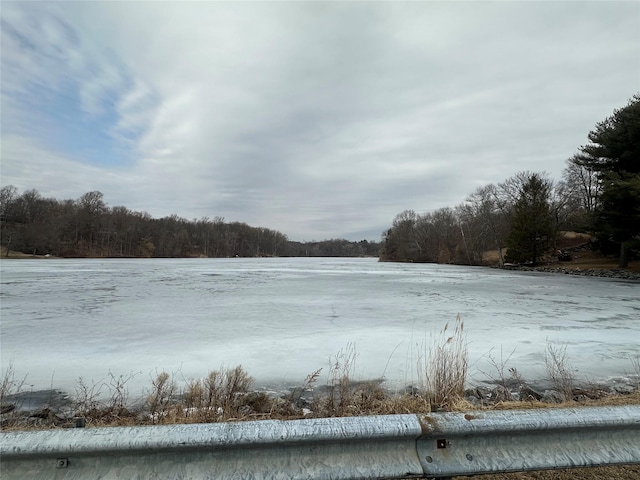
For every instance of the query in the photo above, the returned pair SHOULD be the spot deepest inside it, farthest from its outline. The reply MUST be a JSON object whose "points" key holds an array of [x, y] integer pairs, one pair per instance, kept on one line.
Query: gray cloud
{"points": [[317, 119]]}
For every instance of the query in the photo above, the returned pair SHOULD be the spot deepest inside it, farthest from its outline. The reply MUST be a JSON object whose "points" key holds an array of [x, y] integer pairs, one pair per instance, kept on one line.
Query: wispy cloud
{"points": [[317, 119]]}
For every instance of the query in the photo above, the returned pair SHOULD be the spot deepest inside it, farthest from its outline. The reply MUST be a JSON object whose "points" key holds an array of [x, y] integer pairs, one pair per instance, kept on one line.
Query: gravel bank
{"points": [[587, 272]]}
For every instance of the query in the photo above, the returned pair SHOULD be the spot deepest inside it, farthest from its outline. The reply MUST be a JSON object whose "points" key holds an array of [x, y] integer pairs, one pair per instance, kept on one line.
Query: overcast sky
{"points": [[320, 120]]}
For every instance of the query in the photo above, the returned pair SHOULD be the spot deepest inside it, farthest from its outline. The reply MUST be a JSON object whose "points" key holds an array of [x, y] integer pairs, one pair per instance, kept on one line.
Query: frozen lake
{"points": [[284, 318]]}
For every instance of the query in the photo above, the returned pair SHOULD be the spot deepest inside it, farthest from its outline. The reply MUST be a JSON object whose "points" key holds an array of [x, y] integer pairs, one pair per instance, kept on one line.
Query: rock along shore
{"points": [[616, 273], [56, 409]]}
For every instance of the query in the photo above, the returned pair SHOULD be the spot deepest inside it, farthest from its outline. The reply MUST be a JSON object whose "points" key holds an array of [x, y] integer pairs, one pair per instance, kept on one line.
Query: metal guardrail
{"points": [[394, 446]]}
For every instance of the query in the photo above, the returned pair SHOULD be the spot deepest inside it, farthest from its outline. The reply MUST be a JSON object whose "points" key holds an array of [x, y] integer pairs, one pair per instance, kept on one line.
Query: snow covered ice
{"points": [[282, 318]]}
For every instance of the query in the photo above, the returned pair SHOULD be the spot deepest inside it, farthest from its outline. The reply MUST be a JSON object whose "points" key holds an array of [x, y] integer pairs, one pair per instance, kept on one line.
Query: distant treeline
{"points": [[522, 216], [87, 227]]}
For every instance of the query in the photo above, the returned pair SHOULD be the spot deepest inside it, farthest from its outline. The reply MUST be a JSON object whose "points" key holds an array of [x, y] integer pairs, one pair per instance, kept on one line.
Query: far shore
{"points": [[587, 264]]}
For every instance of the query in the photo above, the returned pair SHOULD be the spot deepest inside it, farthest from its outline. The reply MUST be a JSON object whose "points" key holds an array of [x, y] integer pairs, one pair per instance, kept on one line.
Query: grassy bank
{"points": [[5, 254]]}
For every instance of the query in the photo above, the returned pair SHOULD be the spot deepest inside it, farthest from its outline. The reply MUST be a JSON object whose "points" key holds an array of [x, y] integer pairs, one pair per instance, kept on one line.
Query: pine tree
{"points": [[532, 226], [614, 153]]}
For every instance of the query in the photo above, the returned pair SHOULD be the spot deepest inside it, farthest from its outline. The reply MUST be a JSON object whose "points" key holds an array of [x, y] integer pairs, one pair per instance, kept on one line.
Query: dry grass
{"points": [[447, 363], [342, 396], [339, 399], [14, 254], [587, 260], [609, 400], [490, 257], [575, 237]]}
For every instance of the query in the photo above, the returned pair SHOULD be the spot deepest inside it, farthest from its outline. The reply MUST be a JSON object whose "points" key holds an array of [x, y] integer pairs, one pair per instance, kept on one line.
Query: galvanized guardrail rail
{"points": [[437, 445]]}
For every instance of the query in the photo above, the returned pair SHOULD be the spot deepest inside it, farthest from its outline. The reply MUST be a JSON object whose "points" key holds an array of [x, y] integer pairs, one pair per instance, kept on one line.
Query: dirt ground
{"points": [[14, 254], [582, 257], [626, 472]]}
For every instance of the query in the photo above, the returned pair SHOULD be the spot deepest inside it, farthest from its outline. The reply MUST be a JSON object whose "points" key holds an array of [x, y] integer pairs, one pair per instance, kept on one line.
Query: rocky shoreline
{"points": [[44, 409], [512, 391], [616, 273]]}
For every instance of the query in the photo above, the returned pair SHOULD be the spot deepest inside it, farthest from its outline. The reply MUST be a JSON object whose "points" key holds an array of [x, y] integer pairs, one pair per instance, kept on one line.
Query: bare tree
{"points": [[8, 196], [491, 212], [91, 208], [399, 242], [583, 191], [7, 204]]}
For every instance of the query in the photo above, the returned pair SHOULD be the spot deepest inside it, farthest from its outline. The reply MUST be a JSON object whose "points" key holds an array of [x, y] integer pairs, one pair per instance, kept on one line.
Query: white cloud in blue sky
{"points": [[320, 120]]}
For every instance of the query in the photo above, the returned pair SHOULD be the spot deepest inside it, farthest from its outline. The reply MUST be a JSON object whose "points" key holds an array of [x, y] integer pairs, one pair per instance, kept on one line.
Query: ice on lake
{"points": [[282, 319]]}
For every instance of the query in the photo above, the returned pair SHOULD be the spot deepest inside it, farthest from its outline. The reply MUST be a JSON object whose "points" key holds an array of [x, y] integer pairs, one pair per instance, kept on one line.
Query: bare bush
{"points": [[504, 377], [194, 397], [119, 392], [220, 396], [104, 402], [87, 398], [10, 384], [162, 396], [559, 370]]}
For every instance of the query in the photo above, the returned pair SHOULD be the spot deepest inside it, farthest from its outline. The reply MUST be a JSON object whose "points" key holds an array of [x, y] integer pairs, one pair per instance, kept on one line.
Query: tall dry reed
{"points": [[447, 363]]}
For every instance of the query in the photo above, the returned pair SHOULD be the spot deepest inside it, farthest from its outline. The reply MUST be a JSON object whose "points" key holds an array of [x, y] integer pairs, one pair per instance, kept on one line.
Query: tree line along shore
{"points": [[521, 218]]}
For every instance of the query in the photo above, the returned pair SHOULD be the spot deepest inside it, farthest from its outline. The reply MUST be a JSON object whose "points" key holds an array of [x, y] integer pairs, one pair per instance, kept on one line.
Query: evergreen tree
{"points": [[532, 225], [614, 154]]}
